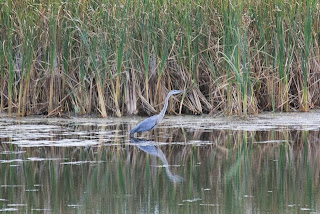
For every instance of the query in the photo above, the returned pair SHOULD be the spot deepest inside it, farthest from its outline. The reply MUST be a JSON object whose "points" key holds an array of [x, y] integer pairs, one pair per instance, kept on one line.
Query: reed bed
{"points": [[122, 57]]}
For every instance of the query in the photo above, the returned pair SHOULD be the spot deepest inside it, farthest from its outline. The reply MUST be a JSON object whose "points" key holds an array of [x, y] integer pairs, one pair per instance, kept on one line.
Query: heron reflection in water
{"points": [[151, 122], [150, 148]]}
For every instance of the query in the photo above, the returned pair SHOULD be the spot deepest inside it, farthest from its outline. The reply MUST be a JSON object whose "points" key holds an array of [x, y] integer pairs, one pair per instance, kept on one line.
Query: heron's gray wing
{"points": [[146, 125]]}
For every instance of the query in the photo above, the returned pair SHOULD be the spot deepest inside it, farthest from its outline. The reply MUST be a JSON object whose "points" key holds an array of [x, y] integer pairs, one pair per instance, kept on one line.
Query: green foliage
{"points": [[239, 57]]}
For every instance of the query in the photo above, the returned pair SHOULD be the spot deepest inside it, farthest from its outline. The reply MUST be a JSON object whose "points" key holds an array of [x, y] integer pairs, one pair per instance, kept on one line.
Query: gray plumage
{"points": [[151, 122]]}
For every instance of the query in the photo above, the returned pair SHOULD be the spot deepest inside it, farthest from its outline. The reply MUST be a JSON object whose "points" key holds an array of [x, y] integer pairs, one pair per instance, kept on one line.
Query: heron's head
{"points": [[175, 92]]}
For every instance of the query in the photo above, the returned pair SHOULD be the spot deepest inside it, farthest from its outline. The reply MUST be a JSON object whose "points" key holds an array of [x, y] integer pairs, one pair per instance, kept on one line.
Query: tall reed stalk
{"points": [[305, 66], [2, 79], [119, 62], [281, 60], [53, 58], [11, 78], [227, 37]]}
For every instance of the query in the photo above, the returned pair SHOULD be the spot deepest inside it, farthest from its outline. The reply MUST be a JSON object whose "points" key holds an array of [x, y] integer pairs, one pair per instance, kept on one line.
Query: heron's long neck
{"points": [[163, 111]]}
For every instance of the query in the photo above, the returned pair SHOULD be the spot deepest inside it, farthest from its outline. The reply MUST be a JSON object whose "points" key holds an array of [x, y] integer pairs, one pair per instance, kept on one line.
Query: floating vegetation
{"points": [[9, 209], [81, 162], [192, 200]]}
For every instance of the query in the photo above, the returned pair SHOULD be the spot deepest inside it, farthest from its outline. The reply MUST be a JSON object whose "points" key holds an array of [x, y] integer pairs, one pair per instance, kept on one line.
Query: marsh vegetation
{"points": [[122, 57]]}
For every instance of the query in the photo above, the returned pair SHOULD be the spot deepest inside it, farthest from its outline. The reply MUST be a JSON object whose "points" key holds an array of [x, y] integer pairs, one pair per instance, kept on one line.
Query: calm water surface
{"points": [[269, 164]]}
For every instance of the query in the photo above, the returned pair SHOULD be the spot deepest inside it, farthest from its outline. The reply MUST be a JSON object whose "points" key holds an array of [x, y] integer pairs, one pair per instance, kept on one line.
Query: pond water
{"points": [[264, 164]]}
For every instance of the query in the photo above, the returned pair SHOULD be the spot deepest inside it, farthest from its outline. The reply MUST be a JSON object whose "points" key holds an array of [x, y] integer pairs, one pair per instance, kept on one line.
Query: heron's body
{"points": [[151, 122], [146, 125]]}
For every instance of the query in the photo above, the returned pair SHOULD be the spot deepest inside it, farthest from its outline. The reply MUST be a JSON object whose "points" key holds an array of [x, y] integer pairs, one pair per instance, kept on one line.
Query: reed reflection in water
{"points": [[209, 171]]}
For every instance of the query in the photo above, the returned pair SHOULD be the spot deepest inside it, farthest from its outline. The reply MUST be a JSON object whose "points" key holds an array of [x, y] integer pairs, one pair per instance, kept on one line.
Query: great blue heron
{"points": [[151, 122]]}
